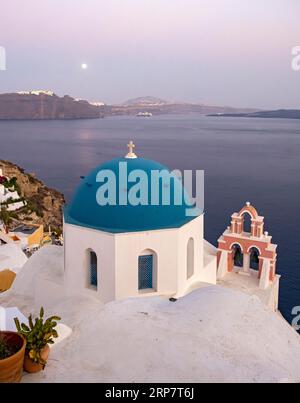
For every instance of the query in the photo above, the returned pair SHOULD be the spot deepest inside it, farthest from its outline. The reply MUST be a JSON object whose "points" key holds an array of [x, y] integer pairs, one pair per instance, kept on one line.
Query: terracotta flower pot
{"points": [[31, 366], [11, 368]]}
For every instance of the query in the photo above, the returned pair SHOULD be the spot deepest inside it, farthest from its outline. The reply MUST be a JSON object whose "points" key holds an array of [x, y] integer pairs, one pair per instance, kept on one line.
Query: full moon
{"points": [[84, 66]]}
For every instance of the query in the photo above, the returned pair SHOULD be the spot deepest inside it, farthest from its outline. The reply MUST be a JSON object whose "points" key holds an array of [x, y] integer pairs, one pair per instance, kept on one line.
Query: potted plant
{"points": [[38, 335], [12, 350]]}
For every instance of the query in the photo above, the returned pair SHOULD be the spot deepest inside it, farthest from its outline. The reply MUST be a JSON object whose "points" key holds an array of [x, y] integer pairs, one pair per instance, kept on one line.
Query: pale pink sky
{"points": [[233, 52]]}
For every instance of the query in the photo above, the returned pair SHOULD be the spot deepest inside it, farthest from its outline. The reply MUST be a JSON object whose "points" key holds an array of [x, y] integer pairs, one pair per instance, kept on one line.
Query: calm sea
{"points": [[256, 160]]}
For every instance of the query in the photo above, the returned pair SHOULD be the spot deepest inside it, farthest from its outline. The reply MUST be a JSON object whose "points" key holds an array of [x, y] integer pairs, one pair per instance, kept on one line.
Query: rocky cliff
{"points": [[43, 106], [44, 205]]}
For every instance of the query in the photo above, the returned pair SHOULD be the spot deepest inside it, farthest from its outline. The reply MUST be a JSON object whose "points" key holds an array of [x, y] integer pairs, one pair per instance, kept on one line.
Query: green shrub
{"points": [[4, 350], [7, 349]]}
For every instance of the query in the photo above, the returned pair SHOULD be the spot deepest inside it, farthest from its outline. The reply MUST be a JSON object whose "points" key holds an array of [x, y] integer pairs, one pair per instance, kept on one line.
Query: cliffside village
{"points": [[18, 239]]}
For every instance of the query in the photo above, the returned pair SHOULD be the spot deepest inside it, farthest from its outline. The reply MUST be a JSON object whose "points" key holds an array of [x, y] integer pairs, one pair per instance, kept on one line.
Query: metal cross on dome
{"points": [[131, 147]]}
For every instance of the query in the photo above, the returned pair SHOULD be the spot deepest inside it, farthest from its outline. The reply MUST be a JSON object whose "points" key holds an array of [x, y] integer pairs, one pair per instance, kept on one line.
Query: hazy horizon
{"points": [[216, 52]]}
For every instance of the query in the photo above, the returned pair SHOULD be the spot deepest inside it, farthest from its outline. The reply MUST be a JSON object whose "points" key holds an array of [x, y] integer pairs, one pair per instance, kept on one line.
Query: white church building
{"points": [[119, 251]]}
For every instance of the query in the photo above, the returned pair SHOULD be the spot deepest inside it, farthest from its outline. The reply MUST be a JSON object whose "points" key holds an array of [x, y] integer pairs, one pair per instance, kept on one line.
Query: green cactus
{"points": [[38, 334]]}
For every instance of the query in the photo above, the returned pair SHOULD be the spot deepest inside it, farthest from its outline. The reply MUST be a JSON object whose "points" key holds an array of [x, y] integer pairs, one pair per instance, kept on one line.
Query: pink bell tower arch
{"points": [[254, 249]]}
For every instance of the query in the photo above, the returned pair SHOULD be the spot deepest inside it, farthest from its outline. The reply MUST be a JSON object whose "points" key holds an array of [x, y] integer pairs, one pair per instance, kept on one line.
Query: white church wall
{"points": [[129, 246], [194, 230], [117, 258], [77, 241], [209, 271]]}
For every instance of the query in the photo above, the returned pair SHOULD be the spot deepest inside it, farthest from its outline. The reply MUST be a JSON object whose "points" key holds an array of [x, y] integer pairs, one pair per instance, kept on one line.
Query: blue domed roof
{"points": [[85, 211]]}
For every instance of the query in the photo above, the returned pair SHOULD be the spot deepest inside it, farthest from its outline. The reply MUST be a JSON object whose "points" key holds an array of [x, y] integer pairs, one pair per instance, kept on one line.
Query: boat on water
{"points": [[144, 115]]}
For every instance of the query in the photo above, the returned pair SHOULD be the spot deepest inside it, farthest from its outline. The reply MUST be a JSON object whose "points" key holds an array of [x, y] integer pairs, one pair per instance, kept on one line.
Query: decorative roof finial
{"points": [[131, 147], [248, 204]]}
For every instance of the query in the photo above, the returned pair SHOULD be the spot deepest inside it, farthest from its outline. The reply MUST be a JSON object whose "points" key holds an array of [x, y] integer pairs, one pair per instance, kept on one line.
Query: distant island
{"points": [[158, 106], [43, 105], [277, 114]]}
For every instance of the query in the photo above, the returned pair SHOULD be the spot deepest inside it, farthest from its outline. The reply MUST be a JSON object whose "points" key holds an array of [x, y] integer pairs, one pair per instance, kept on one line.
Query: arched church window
{"points": [[93, 269], [147, 275], [145, 272], [190, 258]]}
